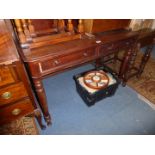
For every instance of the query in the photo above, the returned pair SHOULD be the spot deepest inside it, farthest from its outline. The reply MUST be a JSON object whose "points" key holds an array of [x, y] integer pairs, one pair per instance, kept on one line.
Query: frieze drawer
{"points": [[66, 60], [108, 48]]}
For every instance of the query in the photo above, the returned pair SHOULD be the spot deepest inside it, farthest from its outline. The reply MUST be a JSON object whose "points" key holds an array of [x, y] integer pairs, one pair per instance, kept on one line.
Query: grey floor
{"points": [[123, 113]]}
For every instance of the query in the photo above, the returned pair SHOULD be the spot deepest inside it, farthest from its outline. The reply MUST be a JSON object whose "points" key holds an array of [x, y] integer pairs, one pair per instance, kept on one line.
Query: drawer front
{"points": [[12, 93], [15, 111], [126, 43], [67, 60], [108, 48], [6, 75]]}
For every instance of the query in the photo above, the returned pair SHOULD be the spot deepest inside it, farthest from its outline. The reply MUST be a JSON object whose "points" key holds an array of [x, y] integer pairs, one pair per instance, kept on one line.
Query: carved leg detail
{"points": [[125, 66], [42, 99]]}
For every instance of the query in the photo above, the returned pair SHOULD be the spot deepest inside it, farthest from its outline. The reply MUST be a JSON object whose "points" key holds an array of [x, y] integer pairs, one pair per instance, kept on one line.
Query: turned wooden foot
{"points": [[123, 83], [39, 119], [48, 120]]}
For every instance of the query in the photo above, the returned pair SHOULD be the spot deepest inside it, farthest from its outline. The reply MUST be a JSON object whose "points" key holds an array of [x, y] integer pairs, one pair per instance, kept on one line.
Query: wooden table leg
{"points": [[144, 60], [125, 66], [98, 62], [41, 96], [38, 116]]}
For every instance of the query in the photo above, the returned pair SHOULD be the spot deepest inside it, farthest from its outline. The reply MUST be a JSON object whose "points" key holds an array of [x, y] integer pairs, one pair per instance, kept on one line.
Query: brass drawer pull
{"points": [[6, 95], [85, 54], [56, 62], [16, 112]]}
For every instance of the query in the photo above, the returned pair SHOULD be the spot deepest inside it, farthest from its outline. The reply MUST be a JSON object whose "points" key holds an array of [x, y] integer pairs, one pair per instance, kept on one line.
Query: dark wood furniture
{"points": [[51, 54], [127, 42], [102, 25], [51, 59], [145, 39], [16, 96], [33, 36]]}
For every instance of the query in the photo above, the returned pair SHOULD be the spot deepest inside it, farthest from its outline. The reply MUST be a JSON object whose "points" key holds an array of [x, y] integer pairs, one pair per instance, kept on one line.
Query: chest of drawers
{"points": [[13, 94], [16, 95]]}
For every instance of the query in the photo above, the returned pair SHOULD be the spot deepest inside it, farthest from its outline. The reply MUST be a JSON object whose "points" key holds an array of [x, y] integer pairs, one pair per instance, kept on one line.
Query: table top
{"points": [[75, 45], [58, 49], [145, 38]]}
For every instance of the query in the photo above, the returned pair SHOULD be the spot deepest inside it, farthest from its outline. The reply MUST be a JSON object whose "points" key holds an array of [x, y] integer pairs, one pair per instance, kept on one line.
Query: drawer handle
{"points": [[56, 62], [6, 95], [85, 54], [16, 112]]}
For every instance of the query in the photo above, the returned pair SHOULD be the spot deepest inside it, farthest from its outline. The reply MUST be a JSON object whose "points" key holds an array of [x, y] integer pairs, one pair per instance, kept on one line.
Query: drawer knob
{"points": [[85, 54], [16, 112], [6, 95], [56, 62]]}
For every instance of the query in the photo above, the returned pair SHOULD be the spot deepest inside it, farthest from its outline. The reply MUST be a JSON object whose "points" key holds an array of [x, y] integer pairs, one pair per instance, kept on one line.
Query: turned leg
{"points": [[41, 96], [144, 60], [98, 62], [38, 116], [125, 66]]}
